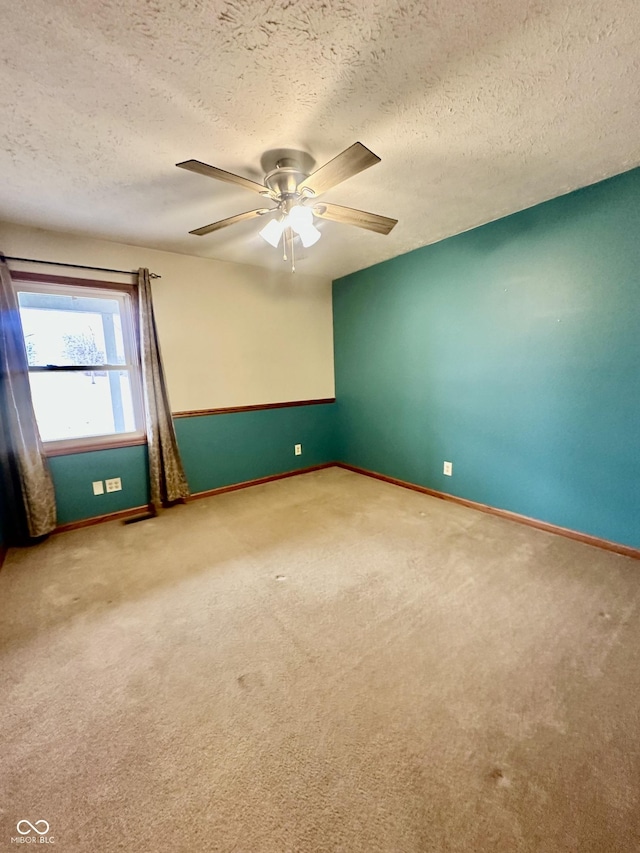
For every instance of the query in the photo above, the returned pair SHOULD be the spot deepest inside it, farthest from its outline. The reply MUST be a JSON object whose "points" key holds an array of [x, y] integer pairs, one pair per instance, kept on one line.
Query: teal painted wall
{"points": [[3, 511], [217, 450], [4, 538], [513, 351], [3, 533], [73, 476]]}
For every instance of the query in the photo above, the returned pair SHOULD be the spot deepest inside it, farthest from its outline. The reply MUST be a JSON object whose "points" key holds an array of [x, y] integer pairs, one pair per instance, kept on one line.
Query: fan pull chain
{"points": [[284, 245], [293, 258]]}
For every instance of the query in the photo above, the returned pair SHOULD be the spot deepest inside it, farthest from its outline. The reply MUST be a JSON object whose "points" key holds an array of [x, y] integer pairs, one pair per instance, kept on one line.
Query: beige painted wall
{"points": [[231, 334]]}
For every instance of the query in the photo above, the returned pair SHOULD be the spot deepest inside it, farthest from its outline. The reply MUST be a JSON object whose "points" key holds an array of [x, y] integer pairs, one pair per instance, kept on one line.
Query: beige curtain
{"points": [[167, 480], [25, 474]]}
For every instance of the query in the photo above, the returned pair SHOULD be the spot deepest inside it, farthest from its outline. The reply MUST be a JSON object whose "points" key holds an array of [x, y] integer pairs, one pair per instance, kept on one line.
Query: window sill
{"points": [[67, 448]]}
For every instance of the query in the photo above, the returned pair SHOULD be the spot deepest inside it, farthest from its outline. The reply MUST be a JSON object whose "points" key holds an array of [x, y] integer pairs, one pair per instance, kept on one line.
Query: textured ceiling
{"points": [[478, 108]]}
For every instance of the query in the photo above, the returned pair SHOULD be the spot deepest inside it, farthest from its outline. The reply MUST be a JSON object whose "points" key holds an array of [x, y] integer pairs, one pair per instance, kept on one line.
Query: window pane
{"points": [[61, 329], [82, 404]]}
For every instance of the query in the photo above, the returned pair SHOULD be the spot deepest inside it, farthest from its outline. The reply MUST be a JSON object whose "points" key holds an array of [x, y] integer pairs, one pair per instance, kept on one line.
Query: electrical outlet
{"points": [[113, 485], [297, 449], [448, 469], [98, 487]]}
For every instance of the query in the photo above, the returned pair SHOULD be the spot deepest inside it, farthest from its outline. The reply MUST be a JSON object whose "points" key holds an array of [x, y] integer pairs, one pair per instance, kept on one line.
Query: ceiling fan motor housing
{"points": [[284, 179]]}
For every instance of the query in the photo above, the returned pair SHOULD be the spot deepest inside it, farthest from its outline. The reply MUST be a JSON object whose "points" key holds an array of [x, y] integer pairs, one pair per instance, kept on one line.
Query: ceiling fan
{"points": [[294, 194]]}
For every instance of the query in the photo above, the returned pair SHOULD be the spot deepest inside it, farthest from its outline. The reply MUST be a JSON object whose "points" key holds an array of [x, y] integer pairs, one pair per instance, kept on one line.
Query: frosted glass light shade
{"points": [[309, 235], [272, 231], [301, 220]]}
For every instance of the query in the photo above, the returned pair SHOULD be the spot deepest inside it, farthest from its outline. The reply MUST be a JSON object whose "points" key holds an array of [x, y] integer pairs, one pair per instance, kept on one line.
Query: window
{"points": [[83, 363]]}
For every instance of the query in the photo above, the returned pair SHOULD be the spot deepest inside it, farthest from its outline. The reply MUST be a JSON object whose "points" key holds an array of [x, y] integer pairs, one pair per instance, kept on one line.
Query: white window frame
{"points": [[126, 295]]}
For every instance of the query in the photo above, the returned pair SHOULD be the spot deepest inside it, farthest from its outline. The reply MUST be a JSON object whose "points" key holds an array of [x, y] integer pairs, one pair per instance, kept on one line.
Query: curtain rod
{"points": [[77, 266]]}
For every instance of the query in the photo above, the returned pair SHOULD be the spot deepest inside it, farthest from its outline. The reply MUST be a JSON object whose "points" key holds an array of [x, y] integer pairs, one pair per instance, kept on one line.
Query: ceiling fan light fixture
{"points": [[272, 231], [309, 235], [300, 219]]}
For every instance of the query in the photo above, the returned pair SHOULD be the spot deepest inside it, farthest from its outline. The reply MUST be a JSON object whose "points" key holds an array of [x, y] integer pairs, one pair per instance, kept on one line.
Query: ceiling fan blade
{"points": [[221, 175], [352, 160], [350, 216], [222, 223]]}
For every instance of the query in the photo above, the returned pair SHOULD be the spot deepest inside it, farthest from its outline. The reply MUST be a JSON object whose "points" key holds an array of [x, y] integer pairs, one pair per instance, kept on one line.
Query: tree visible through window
{"points": [[83, 363]]}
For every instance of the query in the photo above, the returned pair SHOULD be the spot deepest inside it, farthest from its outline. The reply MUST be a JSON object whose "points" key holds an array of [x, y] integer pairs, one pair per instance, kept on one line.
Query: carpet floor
{"points": [[323, 663]]}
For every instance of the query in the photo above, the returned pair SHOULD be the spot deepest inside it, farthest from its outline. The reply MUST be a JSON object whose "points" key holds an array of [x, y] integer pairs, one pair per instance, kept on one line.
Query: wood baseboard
{"points": [[587, 539], [140, 510], [605, 544], [100, 519], [247, 483]]}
